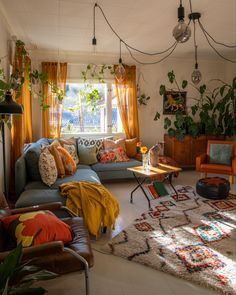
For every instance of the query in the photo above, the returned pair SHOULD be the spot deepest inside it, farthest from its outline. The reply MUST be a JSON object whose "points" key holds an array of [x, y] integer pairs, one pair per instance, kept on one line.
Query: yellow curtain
{"points": [[52, 117], [127, 102], [21, 130]]}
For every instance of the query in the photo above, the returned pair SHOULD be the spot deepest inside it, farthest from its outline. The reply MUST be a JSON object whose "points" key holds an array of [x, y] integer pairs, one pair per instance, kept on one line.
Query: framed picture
{"points": [[174, 101]]}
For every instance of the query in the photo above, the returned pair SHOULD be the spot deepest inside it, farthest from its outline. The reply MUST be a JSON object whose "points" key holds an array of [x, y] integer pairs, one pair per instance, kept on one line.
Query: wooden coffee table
{"points": [[142, 175]]}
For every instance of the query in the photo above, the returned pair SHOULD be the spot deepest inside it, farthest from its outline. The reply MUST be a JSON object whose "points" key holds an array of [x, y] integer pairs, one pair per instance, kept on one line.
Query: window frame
{"points": [[108, 118]]}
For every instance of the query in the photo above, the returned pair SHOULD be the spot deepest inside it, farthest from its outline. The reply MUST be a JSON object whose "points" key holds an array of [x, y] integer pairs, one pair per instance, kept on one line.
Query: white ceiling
{"points": [[145, 24]]}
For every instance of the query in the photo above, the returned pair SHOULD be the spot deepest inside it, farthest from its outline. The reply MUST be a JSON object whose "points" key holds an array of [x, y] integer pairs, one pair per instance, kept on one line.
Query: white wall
{"points": [[4, 37], [150, 78]]}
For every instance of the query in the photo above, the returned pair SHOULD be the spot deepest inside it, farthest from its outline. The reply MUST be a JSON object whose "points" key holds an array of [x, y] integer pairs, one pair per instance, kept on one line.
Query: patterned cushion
{"points": [[47, 167], [115, 155], [57, 157], [110, 144], [35, 228], [91, 141], [87, 154], [131, 147], [68, 161], [70, 145]]}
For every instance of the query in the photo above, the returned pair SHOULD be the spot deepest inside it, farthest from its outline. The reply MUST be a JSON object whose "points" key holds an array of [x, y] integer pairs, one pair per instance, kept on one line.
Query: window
{"points": [[80, 117]]}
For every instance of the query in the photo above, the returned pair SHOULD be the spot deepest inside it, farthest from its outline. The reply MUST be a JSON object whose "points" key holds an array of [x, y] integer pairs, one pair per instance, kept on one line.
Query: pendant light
{"points": [[120, 70], [181, 31], [196, 76], [94, 40]]}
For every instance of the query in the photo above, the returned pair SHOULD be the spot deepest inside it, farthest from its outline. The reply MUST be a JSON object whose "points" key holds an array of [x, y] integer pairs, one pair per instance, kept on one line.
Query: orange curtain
{"points": [[127, 102], [52, 116], [21, 130]]}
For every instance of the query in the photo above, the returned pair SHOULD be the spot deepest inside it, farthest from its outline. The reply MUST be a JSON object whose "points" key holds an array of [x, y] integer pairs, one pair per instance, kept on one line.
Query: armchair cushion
{"points": [[35, 228], [221, 154]]}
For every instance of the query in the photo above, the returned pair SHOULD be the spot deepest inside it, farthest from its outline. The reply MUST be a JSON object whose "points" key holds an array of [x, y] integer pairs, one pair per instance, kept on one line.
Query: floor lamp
{"points": [[7, 107]]}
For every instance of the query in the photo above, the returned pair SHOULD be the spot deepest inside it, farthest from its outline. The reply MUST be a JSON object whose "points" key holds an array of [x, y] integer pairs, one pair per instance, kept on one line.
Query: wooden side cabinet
{"points": [[185, 152]]}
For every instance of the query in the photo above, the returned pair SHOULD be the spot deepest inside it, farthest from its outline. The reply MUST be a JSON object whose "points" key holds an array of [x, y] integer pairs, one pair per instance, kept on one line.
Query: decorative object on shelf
{"points": [[174, 101], [181, 33], [7, 107]]}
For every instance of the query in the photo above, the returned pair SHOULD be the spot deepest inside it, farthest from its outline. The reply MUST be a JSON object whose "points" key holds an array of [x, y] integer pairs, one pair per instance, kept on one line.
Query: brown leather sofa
{"points": [[203, 165], [54, 256]]}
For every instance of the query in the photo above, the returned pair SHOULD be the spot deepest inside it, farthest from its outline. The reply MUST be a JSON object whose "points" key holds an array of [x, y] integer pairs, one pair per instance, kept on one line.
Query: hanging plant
{"points": [[97, 73]]}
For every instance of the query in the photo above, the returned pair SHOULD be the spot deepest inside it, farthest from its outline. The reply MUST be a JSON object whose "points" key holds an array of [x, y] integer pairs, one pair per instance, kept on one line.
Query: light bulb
{"points": [[120, 73], [196, 76], [181, 32]]}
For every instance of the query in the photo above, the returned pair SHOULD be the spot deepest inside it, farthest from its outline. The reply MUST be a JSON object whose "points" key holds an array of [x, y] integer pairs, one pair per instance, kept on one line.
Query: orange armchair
{"points": [[203, 165]]}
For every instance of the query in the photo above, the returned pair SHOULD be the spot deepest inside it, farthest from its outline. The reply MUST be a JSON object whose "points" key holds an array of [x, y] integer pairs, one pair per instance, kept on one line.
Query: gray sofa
{"points": [[30, 190]]}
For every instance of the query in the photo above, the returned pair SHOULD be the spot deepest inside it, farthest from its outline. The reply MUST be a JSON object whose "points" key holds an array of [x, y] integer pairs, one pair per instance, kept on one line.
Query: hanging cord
{"points": [[216, 51], [219, 43], [125, 43], [195, 44], [94, 19], [150, 63]]}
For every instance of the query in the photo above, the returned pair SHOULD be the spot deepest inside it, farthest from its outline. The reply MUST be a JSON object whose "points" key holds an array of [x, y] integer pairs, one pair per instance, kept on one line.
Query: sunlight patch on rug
{"points": [[187, 236]]}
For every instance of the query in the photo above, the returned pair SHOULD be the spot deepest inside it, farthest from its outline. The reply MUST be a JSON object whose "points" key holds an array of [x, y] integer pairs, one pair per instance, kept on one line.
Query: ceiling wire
{"points": [[172, 47]]}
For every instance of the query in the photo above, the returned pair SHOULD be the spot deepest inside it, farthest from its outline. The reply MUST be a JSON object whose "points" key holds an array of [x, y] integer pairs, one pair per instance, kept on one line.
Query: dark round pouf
{"points": [[213, 188]]}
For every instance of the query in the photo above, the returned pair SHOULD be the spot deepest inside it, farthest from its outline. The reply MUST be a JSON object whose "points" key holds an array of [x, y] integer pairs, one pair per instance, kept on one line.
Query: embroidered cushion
{"points": [[47, 167], [110, 144], [131, 147], [87, 154], [98, 143], [115, 155], [70, 145], [68, 162], [34, 228], [57, 157]]}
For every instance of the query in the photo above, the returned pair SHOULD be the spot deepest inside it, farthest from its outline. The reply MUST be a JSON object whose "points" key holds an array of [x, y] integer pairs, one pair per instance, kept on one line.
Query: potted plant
{"points": [[17, 277]]}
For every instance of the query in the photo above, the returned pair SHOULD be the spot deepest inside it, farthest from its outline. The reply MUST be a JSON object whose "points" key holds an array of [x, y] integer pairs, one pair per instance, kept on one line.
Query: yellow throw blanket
{"points": [[93, 202]]}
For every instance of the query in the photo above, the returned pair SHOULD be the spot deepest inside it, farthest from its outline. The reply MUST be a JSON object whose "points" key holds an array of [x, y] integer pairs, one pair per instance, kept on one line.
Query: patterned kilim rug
{"points": [[188, 236]]}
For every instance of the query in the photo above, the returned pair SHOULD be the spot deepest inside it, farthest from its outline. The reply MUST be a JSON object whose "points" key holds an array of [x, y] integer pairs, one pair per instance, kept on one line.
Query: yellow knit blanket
{"points": [[93, 202]]}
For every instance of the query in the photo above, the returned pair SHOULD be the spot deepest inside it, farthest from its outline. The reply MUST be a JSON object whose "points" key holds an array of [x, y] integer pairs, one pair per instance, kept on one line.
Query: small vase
{"points": [[145, 162]]}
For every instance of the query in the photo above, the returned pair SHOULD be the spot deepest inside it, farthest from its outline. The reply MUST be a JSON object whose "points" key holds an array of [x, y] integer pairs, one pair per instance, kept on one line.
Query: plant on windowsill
{"points": [[214, 112]]}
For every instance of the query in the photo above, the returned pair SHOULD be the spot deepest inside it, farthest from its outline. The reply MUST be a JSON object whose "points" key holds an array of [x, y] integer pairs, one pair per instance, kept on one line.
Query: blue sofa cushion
{"points": [[32, 158], [101, 167], [80, 175]]}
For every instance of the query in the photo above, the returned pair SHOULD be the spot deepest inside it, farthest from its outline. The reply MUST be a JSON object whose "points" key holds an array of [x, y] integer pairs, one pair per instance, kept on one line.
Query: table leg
{"points": [[140, 185]]}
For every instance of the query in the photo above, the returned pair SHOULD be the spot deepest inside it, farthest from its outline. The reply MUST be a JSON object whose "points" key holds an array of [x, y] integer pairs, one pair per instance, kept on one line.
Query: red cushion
{"points": [[36, 228]]}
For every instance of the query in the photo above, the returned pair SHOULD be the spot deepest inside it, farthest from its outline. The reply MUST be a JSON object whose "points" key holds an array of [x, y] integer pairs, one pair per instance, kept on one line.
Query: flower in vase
{"points": [[143, 149]]}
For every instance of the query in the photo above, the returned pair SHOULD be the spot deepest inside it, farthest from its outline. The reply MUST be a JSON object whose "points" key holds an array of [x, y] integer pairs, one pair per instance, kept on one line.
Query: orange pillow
{"points": [[131, 147], [35, 228], [57, 157], [68, 162]]}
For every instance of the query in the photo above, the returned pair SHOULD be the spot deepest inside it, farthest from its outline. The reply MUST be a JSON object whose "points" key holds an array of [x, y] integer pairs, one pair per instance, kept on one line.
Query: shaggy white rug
{"points": [[188, 236]]}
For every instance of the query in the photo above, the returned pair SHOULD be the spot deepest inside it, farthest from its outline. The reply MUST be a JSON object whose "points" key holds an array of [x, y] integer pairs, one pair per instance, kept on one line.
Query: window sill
{"points": [[93, 135]]}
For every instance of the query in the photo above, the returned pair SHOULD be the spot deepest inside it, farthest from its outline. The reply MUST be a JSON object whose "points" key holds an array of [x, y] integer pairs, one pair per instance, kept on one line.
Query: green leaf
{"points": [[184, 84], [202, 89], [157, 116], [39, 276], [162, 89], [167, 123], [9, 265], [171, 76]]}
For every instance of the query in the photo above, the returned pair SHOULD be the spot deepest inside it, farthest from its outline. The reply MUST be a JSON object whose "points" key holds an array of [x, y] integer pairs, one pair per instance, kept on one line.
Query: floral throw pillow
{"points": [[115, 155], [35, 228], [70, 145], [47, 167]]}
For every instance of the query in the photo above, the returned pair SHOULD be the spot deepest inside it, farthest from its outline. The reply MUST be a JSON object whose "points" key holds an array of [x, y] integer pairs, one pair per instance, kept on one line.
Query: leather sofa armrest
{"points": [[200, 160], [234, 165], [38, 250], [47, 206]]}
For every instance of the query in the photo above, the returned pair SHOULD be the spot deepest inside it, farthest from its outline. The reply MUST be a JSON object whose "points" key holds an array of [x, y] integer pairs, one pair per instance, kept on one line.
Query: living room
{"points": [[89, 39]]}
